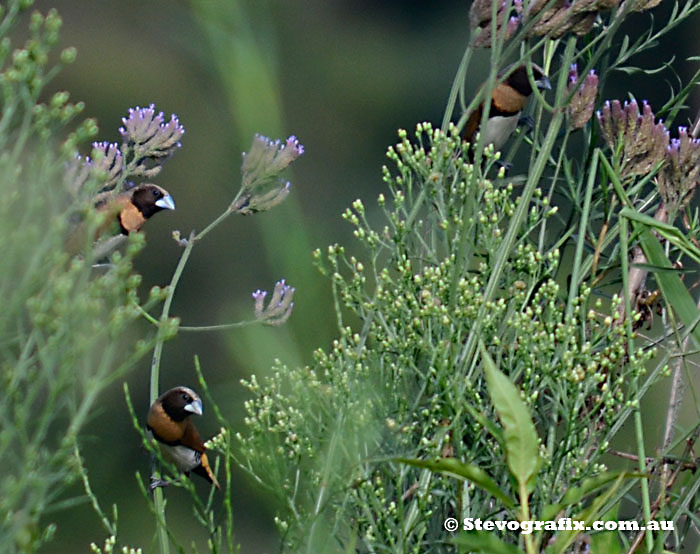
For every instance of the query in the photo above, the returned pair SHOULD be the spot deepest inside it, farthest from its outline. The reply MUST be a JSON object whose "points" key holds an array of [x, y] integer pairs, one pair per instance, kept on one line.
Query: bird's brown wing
{"points": [[505, 101], [119, 206], [110, 207], [192, 439]]}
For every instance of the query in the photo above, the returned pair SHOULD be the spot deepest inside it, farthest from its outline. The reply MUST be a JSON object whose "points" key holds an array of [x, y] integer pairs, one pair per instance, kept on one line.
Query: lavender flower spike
{"points": [[147, 141], [680, 175], [259, 297], [580, 108], [267, 157], [280, 306], [262, 187], [148, 133], [107, 164], [641, 140]]}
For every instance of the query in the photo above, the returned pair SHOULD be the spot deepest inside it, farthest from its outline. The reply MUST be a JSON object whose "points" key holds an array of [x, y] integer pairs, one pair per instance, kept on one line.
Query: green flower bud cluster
{"points": [[401, 381]]}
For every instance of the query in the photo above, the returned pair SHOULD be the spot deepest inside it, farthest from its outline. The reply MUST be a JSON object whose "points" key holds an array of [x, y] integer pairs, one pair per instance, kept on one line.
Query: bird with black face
{"points": [[137, 205], [124, 213], [508, 99], [180, 442]]}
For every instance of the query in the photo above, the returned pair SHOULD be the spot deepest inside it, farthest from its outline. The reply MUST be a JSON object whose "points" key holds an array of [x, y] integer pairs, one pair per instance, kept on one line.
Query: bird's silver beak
{"points": [[543, 84], [167, 202], [195, 406]]}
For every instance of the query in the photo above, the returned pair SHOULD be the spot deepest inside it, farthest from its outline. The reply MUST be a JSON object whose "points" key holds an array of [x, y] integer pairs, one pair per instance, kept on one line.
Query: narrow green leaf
{"points": [[650, 267], [628, 70], [468, 472], [564, 539], [587, 486], [522, 445], [484, 541], [674, 291], [668, 232], [623, 47], [607, 541], [487, 424]]}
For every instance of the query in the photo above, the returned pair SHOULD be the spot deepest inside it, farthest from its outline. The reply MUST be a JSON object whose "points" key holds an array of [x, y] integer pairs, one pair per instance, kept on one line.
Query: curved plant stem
{"points": [[158, 350], [158, 500], [193, 238]]}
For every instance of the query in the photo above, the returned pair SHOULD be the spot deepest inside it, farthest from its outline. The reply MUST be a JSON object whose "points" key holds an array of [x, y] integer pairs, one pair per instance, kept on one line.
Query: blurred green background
{"points": [[342, 76]]}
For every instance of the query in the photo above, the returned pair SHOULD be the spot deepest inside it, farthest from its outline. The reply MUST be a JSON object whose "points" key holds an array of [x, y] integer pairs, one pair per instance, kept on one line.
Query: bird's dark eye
{"points": [[157, 193], [186, 397]]}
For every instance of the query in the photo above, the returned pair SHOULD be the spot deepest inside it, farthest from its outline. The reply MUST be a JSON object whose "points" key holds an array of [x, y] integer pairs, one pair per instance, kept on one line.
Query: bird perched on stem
{"points": [[169, 421], [124, 212], [508, 100]]}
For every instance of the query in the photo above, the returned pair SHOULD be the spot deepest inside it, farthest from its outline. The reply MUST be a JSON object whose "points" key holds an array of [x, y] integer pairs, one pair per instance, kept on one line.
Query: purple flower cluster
{"points": [[148, 140], [480, 17], [681, 174], [280, 306], [105, 167], [262, 188], [642, 141], [580, 108], [554, 19], [108, 163], [149, 135]]}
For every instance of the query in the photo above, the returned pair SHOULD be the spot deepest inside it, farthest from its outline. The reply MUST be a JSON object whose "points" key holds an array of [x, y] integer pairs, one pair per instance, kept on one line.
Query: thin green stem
{"points": [[457, 83], [109, 526], [148, 317], [638, 428], [229, 210], [525, 516], [165, 314], [158, 350], [222, 327], [158, 500], [585, 215], [213, 224], [550, 194]]}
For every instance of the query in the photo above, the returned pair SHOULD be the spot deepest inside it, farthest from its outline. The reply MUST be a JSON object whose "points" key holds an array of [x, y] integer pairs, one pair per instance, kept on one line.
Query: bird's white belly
{"points": [[183, 457], [499, 128]]}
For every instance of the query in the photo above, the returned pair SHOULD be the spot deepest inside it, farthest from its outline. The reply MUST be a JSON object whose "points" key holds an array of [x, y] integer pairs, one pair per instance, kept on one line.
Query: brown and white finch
{"points": [[124, 213], [169, 421], [508, 99]]}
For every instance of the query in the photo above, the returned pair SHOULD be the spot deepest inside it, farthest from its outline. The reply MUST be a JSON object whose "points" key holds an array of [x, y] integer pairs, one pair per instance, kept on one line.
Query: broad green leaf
{"points": [[484, 541], [522, 445], [468, 472]]}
